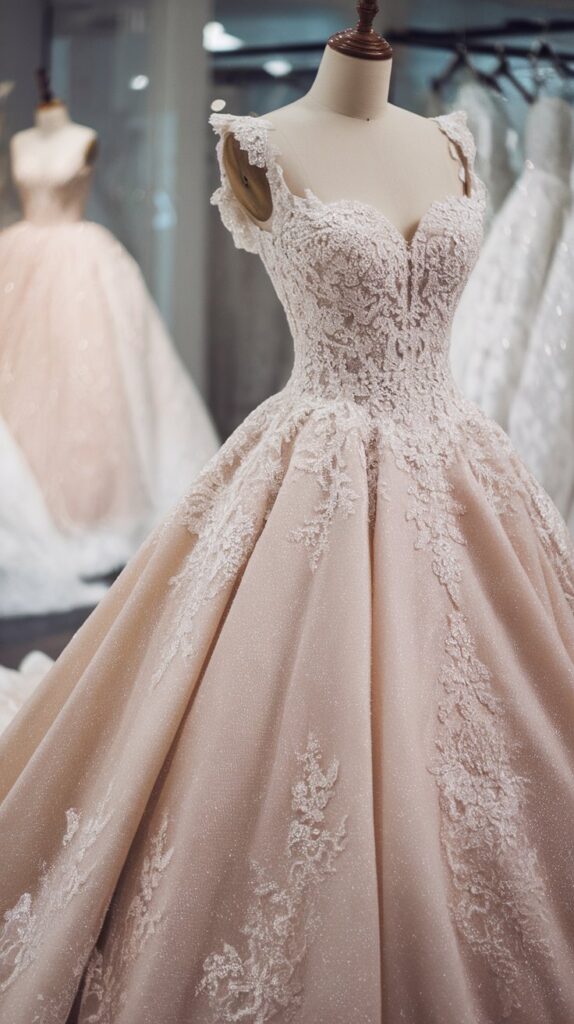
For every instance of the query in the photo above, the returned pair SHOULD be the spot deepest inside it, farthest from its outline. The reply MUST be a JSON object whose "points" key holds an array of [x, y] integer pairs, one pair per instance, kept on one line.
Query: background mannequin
{"points": [[396, 161], [92, 392], [55, 147]]}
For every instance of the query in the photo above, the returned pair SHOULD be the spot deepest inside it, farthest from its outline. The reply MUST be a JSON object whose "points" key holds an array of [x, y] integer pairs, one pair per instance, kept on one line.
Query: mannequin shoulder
{"points": [[22, 147], [22, 138], [422, 128], [87, 140], [424, 138], [249, 183]]}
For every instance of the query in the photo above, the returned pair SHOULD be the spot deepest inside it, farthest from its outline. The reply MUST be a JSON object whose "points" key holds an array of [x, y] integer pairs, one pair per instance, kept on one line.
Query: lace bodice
{"points": [[56, 198], [369, 311]]}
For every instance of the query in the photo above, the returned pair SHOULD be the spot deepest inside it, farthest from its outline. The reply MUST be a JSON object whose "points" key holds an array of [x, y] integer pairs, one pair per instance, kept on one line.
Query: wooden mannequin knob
{"points": [[362, 41]]}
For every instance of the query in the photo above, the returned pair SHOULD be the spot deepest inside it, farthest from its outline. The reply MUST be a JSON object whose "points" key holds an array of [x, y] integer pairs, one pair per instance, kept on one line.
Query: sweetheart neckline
{"points": [[373, 211], [376, 214]]}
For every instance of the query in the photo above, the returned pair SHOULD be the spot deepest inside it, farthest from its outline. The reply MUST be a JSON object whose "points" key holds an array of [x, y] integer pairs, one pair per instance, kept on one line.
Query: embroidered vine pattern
{"points": [[282, 917], [323, 458], [27, 924], [226, 511], [498, 894], [103, 997]]}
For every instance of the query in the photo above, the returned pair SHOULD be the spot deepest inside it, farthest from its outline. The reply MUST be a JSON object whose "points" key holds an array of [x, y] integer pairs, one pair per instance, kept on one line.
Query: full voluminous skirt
{"points": [[92, 390], [312, 758]]}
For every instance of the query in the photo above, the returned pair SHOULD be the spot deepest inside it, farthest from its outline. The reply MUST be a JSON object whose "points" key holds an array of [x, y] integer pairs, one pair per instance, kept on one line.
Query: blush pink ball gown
{"points": [[312, 759], [91, 387]]}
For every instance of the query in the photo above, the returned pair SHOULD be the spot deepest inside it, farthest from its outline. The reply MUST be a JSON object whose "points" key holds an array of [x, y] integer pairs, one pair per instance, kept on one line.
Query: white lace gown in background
{"points": [[541, 421], [312, 758], [495, 315], [91, 388], [17, 685], [37, 571]]}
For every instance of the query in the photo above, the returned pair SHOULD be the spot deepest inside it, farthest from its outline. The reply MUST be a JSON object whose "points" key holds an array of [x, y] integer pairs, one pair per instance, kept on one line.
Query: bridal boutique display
{"points": [[91, 388], [492, 325], [311, 759]]}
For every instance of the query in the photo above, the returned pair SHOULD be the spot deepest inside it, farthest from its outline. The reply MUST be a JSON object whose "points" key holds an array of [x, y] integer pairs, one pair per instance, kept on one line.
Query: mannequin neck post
{"points": [[351, 86]]}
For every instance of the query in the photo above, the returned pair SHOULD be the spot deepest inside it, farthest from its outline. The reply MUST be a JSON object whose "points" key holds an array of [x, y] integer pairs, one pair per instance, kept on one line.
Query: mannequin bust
{"points": [[55, 148], [344, 140]]}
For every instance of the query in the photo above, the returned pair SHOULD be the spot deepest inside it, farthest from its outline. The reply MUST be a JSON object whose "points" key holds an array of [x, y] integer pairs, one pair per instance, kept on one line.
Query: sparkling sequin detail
{"points": [[498, 893], [282, 917]]}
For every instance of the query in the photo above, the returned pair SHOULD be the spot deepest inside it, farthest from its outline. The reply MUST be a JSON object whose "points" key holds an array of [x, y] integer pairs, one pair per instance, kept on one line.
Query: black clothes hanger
{"points": [[461, 61], [505, 70]]}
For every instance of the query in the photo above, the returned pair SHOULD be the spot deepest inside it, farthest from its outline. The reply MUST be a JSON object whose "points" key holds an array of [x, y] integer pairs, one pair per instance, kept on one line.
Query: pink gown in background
{"points": [[91, 388], [312, 759]]}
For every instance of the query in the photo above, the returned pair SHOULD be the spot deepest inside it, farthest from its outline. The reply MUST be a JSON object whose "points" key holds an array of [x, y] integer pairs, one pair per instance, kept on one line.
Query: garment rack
{"points": [[475, 40]]}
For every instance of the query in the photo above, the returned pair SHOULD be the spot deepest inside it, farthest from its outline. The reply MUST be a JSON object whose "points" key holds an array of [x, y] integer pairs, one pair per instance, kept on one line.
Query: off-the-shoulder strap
{"points": [[252, 134], [455, 127]]}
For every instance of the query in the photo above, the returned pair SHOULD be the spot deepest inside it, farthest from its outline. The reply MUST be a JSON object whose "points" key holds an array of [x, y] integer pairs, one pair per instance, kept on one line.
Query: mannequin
{"points": [[92, 391], [344, 140], [55, 147]]}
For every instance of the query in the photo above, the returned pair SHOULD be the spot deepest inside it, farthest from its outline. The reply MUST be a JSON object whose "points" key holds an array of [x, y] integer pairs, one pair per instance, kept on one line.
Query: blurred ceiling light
{"points": [[277, 67], [218, 105], [139, 82], [217, 40]]}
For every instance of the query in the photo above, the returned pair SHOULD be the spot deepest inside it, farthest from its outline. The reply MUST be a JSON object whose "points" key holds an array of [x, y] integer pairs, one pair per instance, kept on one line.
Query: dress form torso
{"points": [[51, 166], [344, 140]]}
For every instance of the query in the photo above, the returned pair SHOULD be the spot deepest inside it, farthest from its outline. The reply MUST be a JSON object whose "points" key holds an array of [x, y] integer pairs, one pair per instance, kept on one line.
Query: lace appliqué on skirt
{"points": [[103, 997], [498, 893], [27, 925], [282, 917]]}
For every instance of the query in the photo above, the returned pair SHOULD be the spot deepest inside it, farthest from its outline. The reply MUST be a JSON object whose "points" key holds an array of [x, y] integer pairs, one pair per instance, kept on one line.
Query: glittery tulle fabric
{"points": [[541, 419], [493, 322], [311, 760], [91, 389]]}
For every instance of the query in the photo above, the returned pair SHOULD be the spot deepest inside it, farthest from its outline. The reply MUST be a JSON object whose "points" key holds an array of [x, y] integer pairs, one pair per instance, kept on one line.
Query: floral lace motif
{"points": [[323, 458], [282, 917], [28, 923], [226, 511], [498, 893], [370, 315], [103, 997]]}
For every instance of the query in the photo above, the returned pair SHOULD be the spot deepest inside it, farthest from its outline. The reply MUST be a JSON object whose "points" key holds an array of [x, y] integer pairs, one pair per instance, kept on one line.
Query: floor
{"points": [[46, 633]]}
